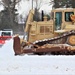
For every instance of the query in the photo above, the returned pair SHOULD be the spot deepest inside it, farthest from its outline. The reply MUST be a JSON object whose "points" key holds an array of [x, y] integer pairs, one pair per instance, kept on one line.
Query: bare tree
{"points": [[38, 3], [62, 3], [10, 6]]}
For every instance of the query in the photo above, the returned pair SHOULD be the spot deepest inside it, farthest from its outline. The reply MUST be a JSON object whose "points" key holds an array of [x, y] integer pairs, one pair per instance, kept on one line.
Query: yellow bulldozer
{"points": [[54, 36]]}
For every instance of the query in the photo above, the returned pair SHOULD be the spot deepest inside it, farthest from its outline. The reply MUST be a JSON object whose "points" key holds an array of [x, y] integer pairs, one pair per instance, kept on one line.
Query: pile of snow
{"points": [[34, 64]]}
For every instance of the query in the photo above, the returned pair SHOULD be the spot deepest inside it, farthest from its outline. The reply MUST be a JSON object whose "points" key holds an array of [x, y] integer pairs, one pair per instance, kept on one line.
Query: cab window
{"points": [[67, 16]]}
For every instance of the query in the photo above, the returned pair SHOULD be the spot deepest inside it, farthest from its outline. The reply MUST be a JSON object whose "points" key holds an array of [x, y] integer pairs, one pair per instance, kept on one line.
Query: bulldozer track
{"points": [[62, 39]]}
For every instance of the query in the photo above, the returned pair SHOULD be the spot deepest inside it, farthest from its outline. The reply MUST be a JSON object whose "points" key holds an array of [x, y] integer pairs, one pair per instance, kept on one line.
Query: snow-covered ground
{"points": [[34, 64]]}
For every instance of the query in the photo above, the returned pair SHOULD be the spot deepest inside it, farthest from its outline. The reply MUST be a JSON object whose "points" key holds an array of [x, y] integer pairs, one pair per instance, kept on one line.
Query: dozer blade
{"points": [[18, 50]]}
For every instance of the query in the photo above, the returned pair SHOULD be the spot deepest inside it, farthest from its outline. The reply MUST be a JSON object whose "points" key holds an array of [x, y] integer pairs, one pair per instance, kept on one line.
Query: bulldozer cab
{"points": [[62, 18]]}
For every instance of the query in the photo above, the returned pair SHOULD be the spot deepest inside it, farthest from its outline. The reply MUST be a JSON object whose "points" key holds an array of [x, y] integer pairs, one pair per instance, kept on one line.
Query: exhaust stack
{"points": [[42, 15]]}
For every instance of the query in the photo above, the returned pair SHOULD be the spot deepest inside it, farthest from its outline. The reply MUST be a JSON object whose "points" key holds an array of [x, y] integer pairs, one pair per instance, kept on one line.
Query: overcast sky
{"points": [[25, 6]]}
